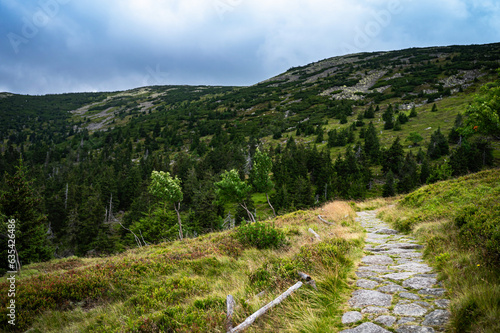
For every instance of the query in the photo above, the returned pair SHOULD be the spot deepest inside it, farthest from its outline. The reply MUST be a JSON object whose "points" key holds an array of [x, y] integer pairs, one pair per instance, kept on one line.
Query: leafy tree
{"points": [[484, 113], [169, 190], [414, 138], [20, 203], [260, 174], [232, 188]]}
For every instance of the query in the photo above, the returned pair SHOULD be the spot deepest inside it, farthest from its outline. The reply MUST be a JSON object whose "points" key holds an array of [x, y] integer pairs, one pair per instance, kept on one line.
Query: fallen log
{"points": [[325, 221], [309, 280], [315, 234], [249, 321], [230, 311]]}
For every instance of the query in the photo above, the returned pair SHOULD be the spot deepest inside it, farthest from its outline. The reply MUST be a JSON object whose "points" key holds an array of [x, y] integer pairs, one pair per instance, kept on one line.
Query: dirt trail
{"points": [[397, 289]]}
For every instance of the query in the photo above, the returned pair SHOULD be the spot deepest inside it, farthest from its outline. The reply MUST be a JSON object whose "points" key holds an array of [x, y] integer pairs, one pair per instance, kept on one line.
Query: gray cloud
{"points": [[53, 46]]}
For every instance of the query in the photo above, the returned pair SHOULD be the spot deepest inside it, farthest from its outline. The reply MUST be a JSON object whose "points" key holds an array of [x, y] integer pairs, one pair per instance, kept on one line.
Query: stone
{"points": [[365, 274], [386, 231], [427, 275], [419, 282], [405, 320], [409, 296], [367, 284], [424, 304], [437, 318], [378, 260], [413, 267], [366, 328], [362, 298], [374, 309], [414, 329], [386, 320], [413, 310], [391, 289], [442, 303], [375, 268], [398, 276], [432, 291], [351, 317]]}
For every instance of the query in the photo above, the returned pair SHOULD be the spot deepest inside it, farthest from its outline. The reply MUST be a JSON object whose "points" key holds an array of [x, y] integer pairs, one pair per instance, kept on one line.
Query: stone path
{"points": [[397, 290]]}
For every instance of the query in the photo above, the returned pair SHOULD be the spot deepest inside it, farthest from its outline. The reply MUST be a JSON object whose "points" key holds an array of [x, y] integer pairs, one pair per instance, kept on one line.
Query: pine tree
{"points": [[369, 113], [438, 145], [413, 112], [434, 108], [22, 204], [388, 118], [388, 189], [372, 144], [393, 158]]}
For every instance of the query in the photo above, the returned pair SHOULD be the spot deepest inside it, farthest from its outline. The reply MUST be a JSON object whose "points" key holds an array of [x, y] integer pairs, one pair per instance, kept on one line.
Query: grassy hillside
{"points": [[182, 286], [460, 221]]}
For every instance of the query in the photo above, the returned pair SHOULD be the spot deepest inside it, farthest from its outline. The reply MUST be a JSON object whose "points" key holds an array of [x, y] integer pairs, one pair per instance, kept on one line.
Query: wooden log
{"points": [[229, 314], [249, 321], [315, 234], [325, 221], [309, 280]]}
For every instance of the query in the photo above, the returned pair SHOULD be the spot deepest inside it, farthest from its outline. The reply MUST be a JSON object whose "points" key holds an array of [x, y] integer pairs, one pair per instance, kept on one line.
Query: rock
{"points": [[366, 328], [419, 282], [398, 276], [427, 275], [424, 304], [413, 310], [362, 298], [365, 274], [367, 284], [437, 318], [409, 296], [391, 289], [405, 320], [414, 329], [378, 260], [351, 317], [386, 231], [442, 303], [413, 267], [432, 291], [386, 320], [374, 309], [375, 268]]}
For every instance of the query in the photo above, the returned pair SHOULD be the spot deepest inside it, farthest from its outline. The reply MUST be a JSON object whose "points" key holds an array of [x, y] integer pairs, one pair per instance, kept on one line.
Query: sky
{"points": [[58, 46]]}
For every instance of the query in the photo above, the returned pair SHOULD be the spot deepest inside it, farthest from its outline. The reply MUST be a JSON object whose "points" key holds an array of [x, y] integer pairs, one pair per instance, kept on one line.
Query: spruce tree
{"points": [[388, 118], [20, 203], [413, 112], [372, 144], [388, 189]]}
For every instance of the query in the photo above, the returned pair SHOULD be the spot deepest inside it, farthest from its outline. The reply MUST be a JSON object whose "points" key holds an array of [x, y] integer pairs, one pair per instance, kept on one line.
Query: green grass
{"points": [[182, 286], [459, 220]]}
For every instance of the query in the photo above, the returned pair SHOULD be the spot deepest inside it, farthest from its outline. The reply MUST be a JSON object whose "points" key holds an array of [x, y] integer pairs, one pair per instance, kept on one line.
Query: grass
{"points": [[459, 220], [182, 286]]}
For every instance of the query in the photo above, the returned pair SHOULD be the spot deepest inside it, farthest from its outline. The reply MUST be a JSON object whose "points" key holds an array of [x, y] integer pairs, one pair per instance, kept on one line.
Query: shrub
{"points": [[261, 235]]}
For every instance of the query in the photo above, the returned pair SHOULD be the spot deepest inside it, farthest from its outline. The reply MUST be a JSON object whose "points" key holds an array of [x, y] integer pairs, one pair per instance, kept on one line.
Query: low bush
{"points": [[261, 235]]}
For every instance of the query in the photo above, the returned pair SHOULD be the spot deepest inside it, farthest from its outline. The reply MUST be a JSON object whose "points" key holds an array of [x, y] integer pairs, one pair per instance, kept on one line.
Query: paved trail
{"points": [[397, 289]]}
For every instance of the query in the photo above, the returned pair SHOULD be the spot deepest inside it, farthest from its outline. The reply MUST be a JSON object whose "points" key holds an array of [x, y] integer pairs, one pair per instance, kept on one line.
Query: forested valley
{"points": [[77, 169]]}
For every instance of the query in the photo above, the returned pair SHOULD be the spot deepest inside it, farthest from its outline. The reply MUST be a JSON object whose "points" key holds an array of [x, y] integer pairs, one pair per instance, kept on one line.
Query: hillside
{"points": [[350, 127]]}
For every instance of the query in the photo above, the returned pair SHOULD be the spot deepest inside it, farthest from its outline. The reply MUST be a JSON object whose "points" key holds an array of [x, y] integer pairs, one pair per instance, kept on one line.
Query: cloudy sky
{"points": [[55, 46]]}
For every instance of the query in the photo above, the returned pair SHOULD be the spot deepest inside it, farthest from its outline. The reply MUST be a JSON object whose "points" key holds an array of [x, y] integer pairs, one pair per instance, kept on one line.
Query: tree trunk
{"points": [[269, 202], [264, 309], [179, 219], [250, 215]]}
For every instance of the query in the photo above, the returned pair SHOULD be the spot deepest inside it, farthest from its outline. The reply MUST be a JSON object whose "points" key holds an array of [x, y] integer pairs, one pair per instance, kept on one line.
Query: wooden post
{"points": [[249, 321], [315, 234], [229, 314]]}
